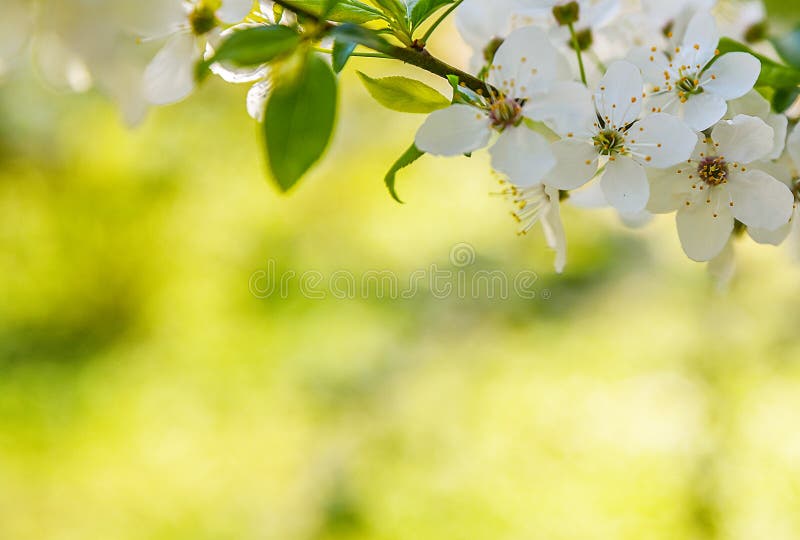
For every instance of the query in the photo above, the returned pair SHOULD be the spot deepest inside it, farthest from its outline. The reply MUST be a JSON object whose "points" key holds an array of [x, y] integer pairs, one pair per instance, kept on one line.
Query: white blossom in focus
{"points": [[616, 142], [527, 70], [685, 84], [718, 185]]}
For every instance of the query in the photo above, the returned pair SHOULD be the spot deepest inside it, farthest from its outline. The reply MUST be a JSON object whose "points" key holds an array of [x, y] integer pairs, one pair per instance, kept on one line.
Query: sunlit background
{"points": [[146, 393]]}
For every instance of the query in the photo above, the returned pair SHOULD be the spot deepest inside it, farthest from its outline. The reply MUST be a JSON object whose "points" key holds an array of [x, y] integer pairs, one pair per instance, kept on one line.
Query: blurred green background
{"points": [[145, 393]]}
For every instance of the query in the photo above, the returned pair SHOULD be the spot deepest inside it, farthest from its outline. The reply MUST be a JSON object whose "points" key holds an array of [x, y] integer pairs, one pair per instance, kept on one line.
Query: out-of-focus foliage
{"points": [[146, 394]]}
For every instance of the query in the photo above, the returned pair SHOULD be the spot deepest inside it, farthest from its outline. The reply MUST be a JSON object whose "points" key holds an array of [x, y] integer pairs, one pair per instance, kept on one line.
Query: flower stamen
{"points": [[505, 112], [609, 142], [713, 171]]}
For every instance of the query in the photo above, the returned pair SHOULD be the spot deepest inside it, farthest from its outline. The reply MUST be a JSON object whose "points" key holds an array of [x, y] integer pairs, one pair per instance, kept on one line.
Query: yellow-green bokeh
{"points": [[145, 393]]}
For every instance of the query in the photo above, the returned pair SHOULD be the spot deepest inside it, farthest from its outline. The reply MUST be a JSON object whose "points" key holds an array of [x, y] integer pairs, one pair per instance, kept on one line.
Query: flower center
{"points": [[505, 113], [609, 142], [202, 19], [713, 171], [689, 85]]}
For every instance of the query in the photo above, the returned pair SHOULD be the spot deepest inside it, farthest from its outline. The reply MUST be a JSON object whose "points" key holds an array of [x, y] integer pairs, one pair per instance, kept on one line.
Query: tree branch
{"points": [[420, 58]]}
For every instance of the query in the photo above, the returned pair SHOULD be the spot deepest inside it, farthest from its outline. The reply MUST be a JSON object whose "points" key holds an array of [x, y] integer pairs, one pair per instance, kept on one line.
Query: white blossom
{"points": [[685, 82], [787, 170], [169, 78], [541, 204], [528, 71], [718, 185], [615, 141]]}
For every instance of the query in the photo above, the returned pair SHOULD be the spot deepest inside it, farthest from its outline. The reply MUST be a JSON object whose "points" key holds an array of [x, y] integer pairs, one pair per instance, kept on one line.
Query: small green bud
{"points": [[491, 49], [584, 38], [757, 32], [567, 14]]}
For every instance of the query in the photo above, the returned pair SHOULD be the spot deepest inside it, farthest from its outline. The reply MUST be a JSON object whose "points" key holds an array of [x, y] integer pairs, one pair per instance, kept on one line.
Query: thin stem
{"points": [[439, 21], [577, 47], [599, 63], [410, 55]]}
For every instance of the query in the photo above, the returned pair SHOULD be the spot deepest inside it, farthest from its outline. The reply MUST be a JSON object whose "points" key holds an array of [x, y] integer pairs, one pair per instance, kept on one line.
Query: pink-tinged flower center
{"points": [[713, 171], [505, 112]]}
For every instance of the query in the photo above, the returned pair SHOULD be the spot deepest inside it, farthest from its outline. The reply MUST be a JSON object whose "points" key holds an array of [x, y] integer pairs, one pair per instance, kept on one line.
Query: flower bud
{"points": [[757, 32], [491, 49], [584, 38], [567, 14]]}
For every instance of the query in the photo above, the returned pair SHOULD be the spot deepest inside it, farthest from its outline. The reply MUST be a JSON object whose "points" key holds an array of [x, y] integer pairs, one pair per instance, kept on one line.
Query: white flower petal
{"points": [[702, 111], [732, 75], [576, 164], [780, 125], [760, 200], [596, 13], [661, 140], [523, 155], [652, 63], [566, 108], [619, 95], [668, 190], [751, 104], [625, 185], [700, 41], [479, 22], [234, 11], [589, 197], [772, 238], [526, 63], [793, 146], [636, 220], [703, 236], [457, 130], [744, 139], [169, 77], [722, 268], [779, 170], [257, 99], [553, 228]]}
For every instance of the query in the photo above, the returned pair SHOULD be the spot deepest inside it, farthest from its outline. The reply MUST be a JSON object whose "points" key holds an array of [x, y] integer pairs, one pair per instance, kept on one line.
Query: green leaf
{"points": [[299, 121], [404, 95], [409, 156], [783, 98], [352, 33], [328, 7], [341, 54], [423, 9], [773, 74], [394, 8], [788, 47], [253, 47], [344, 11]]}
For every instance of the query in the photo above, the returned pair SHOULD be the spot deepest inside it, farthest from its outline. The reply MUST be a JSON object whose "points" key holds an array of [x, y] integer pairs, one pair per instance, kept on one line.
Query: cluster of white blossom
{"points": [[621, 103], [666, 124]]}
